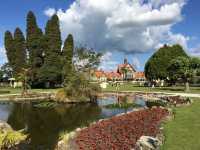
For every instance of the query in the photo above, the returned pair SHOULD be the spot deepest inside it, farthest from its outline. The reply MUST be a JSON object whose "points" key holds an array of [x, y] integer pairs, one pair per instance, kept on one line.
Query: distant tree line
{"points": [[41, 53]]}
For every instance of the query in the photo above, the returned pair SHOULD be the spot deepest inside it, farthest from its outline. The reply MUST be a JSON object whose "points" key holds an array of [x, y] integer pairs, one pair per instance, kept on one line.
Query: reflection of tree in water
{"points": [[45, 124], [18, 116]]}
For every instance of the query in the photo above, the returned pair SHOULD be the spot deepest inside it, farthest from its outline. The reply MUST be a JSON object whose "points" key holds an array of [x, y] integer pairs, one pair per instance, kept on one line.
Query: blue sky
{"points": [[118, 29]]}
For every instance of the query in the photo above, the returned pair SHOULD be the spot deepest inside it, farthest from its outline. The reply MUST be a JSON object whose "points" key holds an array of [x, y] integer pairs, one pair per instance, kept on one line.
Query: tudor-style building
{"points": [[126, 70]]}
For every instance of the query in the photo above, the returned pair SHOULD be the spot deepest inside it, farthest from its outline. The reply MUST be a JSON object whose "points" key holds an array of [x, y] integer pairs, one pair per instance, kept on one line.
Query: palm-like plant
{"points": [[23, 77]]}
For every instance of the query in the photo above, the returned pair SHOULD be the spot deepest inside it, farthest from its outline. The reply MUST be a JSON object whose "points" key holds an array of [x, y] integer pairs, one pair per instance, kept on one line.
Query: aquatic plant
{"points": [[121, 105], [45, 104]]}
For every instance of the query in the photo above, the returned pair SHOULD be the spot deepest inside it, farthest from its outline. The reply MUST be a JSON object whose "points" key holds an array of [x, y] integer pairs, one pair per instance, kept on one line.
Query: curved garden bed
{"points": [[119, 132]]}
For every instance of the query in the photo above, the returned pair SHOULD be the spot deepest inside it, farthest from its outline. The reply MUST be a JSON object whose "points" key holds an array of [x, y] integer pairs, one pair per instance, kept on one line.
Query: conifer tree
{"points": [[68, 58], [34, 42], [52, 68], [20, 51], [9, 46]]}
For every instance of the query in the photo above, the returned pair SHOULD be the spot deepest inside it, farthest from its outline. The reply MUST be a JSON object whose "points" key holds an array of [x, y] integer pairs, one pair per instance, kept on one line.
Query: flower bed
{"points": [[121, 132], [176, 100]]}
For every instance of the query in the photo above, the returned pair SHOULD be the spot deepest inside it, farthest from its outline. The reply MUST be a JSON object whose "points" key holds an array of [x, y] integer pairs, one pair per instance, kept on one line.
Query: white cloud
{"points": [[195, 51], [158, 3], [3, 58], [107, 62], [124, 25], [136, 63], [50, 12]]}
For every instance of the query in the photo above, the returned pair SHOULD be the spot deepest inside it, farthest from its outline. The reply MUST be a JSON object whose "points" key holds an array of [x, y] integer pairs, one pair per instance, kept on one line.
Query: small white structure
{"points": [[104, 85], [14, 83]]}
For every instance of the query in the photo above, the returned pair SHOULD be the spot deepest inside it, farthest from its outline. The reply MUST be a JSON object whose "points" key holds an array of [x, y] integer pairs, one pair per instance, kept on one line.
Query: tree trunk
{"points": [[187, 87]]}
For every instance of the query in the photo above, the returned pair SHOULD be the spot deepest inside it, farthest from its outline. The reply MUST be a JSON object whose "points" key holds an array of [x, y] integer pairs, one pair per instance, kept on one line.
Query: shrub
{"points": [[158, 103], [79, 89], [11, 138]]}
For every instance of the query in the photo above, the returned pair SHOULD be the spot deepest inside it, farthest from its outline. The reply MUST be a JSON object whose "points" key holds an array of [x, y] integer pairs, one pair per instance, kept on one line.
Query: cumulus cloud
{"points": [[131, 26], [50, 12], [195, 51], [136, 62], [2, 56], [107, 62]]}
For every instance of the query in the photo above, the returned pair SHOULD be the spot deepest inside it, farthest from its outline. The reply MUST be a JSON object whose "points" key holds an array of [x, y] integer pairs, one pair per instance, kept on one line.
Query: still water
{"points": [[45, 124]]}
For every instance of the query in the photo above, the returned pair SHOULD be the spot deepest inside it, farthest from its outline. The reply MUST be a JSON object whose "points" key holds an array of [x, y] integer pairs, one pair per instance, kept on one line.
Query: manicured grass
{"points": [[18, 90], [132, 87], [183, 133]]}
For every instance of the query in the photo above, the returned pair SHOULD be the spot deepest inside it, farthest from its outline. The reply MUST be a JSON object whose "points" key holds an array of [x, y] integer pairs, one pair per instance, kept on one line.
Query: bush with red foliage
{"points": [[121, 132]]}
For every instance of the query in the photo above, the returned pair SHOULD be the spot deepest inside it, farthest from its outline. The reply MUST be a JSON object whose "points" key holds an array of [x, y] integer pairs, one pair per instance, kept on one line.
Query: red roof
{"points": [[139, 75], [111, 75], [100, 74]]}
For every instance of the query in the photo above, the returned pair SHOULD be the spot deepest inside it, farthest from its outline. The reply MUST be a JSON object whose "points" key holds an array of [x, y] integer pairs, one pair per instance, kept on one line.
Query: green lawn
{"points": [[132, 87], [18, 90], [183, 133], [124, 87]]}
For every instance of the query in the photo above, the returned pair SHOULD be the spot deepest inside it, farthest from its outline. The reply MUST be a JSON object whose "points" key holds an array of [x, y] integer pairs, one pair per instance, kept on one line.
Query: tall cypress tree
{"points": [[20, 51], [34, 42], [67, 51], [10, 48], [52, 68]]}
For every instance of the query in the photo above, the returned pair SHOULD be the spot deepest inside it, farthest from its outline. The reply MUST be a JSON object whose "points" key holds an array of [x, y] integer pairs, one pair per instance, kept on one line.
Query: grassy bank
{"points": [[132, 87], [9, 90], [183, 132], [124, 87]]}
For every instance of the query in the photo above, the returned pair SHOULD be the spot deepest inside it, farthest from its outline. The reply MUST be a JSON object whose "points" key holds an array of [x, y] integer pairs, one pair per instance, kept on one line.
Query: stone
{"points": [[4, 126], [148, 143]]}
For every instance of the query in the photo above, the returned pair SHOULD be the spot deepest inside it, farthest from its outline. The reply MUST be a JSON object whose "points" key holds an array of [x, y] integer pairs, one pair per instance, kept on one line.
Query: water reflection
{"points": [[44, 125]]}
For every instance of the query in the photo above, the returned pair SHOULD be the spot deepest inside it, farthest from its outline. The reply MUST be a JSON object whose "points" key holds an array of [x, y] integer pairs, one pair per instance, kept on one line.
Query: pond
{"points": [[45, 124]]}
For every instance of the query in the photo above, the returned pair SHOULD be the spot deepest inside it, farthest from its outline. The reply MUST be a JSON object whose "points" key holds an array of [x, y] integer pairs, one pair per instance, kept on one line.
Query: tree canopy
{"points": [[43, 56], [156, 66], [51, 69], [181, 68], [34, 43], [9, 46], [67, 52], [20, 51], [86, 59]]}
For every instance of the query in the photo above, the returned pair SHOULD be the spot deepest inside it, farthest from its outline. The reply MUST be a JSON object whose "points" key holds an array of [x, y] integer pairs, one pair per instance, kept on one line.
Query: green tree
{"points": [[156, 66], [10, 48], [67, 53], [86, 59], [181, 68], [1, 75], [52, 68], [20, 51], [35, 45], [195, 64], [7, 70], [23, 77]]}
